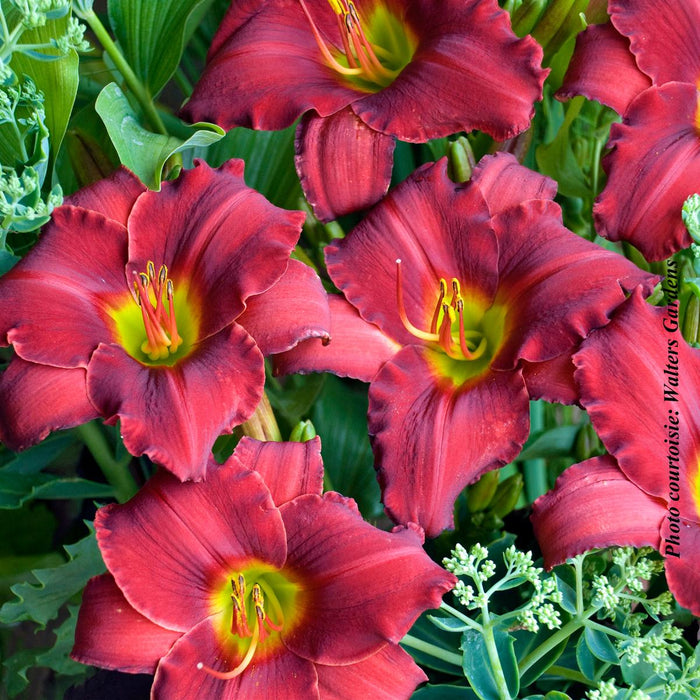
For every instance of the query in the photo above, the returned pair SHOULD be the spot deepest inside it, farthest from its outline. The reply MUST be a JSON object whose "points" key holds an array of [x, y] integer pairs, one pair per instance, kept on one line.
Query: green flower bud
{"points": [[507, 495], [302, 432], [587, 443], [460, 160], [691, 319], [481, 493], [562, 20], [527, 15]]}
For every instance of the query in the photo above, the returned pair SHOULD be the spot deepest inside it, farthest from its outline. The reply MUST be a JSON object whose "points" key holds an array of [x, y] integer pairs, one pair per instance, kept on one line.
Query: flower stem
{"points": [[432, 650], [116, 472], [138, 89]]}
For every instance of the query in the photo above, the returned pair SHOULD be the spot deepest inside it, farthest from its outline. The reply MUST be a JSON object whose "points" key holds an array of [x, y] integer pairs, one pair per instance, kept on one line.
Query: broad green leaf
{"points": [[555, 442], [41, 601], [584, 658], [340, 417], [479, 670], [7, 261], [526, 644], [444, 692], [142, 151], [152, 35], [57, 79], [269, 162], [449, 624], [600, 645], [427, 632], [294, 400]]}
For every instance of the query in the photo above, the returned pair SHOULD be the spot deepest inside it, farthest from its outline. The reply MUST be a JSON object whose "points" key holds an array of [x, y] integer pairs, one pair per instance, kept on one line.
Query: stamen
{"points": [[438, 306], [228, 675], [417, 332], [151, 269], [468, 354]]}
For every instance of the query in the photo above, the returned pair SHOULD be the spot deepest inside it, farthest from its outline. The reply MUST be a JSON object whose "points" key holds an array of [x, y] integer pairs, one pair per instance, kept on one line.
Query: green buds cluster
{"points": [[691, 216]]}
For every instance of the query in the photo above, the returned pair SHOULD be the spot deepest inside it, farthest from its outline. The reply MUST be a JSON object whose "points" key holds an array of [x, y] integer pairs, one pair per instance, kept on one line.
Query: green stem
{"points": [[116, 472], [135, 85], [552, 642], [591, 624], [462, 618], [535, 470], [570, 675], [495, 661], [432, 650]]}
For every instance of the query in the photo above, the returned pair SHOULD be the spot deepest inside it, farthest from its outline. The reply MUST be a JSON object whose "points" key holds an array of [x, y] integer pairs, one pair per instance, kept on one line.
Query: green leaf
{"points": [[584, 658], [600, 645], [566, 583], [57, 79], [41, 601], [478, 668], [449, 624], [142, 151], [555, 442], [444, 692], [294, 400], [426, 631], [269, 162], [152, 35], [340, 417]]}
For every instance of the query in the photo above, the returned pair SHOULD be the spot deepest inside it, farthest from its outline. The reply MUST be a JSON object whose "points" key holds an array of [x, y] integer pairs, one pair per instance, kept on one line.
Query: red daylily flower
{"points": [[646, 66], [365, 72], [463, 302], [253, 584], [640, 384], [138, 306]]}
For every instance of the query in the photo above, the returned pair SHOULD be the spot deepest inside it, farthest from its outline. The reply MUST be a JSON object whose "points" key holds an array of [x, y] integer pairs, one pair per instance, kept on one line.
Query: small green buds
{"points": [[460, 160], [691, 216], [303, 431]]}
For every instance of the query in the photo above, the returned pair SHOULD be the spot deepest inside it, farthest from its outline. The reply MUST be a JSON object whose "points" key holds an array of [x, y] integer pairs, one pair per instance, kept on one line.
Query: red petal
{"points": [[283, 675], [265, 69], [289, 469], [36, 399], [174, 414], [625, 399], [505, 183], [594, 505], [363, 586], [437, 229], [112, 197], [600, 53], [54, 302], [173, 546], [357, 348], [552, 380], [387, 675], [653, 167], [469, 72], [343, 164], [215, 234], [663, 37], [683, 571], [556, 286], [419, 420], [111, 634], [292, 310]]}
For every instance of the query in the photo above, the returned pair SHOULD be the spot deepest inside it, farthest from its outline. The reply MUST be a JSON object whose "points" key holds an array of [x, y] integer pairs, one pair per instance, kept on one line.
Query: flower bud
{"points": [[507, 495], [587, 444], [560, 21], [303, 431], [460, 160], [481, 493], [527, 15], [691, 318]]}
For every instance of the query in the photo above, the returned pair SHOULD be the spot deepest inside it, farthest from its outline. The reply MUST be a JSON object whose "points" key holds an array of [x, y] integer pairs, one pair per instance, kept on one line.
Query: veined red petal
{"points": [[36, 399], [552, 380], [173, 544], [505, 183], [594, 505], [556, 286], [357, 348], [53, 303], [282, 675], [111, 634], [343, 165], [663, 37], [231, 243], [632, 404], [600, 53], [363, 586], [653, 167], [389, 674], [289, 469], [174, 414], [437, 229], [265, 69], [112, 197], [682, 571], [432, 438], [294, 309], [469, 72]]}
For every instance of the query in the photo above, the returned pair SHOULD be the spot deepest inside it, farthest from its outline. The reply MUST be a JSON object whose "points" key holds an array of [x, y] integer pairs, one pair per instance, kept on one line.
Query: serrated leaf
{"points": [[140, 150], [152, 35], [600, 645], [41, 601], [340, 418], [449, 624], [477, 666]]}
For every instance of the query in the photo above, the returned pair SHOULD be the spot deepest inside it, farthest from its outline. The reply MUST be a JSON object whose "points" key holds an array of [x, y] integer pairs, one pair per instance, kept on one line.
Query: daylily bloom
{"points": [[640, 383], [364, 72], [645, 64], [132, 307], [253, 584], [462, 302]]}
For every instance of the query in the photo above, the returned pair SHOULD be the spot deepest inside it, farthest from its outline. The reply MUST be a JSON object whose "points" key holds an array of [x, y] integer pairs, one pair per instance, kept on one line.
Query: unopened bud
{"points": [[561, 21], [691, 319], [507, 495], [691, 216], [526, 16], [460, 160], [481, 493], [587, 444], [302, 432]]}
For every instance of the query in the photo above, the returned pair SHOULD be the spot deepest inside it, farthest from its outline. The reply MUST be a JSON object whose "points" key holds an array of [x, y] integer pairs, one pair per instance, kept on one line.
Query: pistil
{"points": [[162, 337]]}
